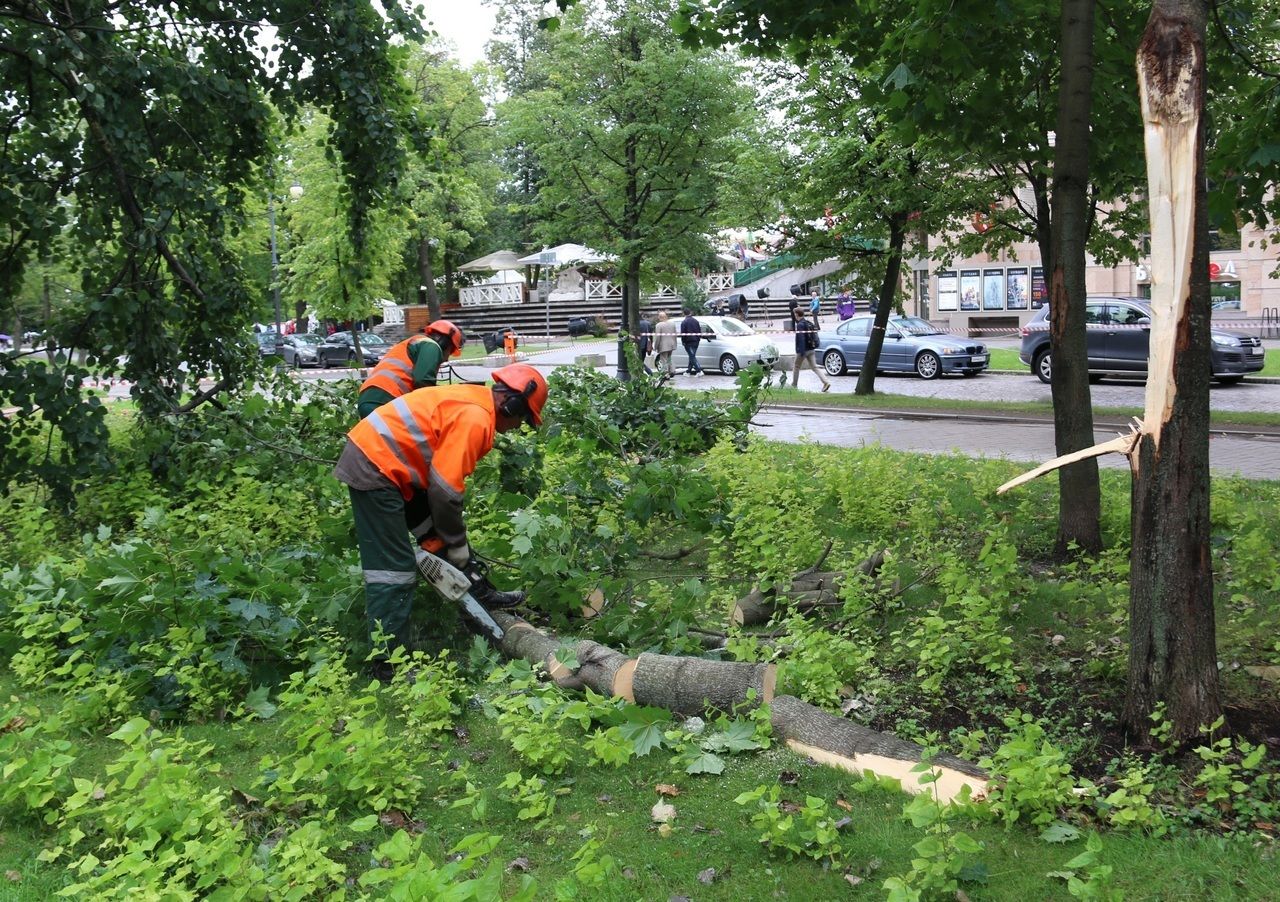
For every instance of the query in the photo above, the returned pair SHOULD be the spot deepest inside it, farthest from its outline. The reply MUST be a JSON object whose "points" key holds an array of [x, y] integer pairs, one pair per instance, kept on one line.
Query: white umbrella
{"points": [[565, 255], [498, 260]]}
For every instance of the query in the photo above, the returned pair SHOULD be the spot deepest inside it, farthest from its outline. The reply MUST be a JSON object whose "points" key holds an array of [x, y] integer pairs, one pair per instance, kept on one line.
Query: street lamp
{"points": [[295, 191]]}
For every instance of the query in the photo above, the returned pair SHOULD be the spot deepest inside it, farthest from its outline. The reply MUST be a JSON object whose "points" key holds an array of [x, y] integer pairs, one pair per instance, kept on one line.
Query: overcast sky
{"points": [[467, 24]]}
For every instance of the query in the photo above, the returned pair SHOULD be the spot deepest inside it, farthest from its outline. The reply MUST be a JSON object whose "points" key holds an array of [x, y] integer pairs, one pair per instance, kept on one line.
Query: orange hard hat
{"points": [[526, 382], [450, 331]]}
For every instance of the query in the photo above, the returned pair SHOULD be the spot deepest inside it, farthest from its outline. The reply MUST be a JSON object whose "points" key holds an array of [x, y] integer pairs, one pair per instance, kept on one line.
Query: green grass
{"points": [[710, 831], [1007, 359]]}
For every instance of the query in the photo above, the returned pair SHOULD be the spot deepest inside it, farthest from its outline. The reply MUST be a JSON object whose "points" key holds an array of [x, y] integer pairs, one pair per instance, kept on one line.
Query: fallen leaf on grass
{"points": [[786, 806], [629, 873], [13, 876], [666, 789], [520, 864], [662, 812], [853, 879], [843, 805], [463, 734], [398, 820], [843, 822], [788, 778], [664, 830], [707, 877], [243, 799], [604, 798], [13, 725], [1264, 825]]}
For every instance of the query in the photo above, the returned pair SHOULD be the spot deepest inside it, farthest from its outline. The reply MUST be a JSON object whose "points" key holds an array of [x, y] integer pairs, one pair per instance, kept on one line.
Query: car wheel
{"points": [[834, 363], [729, 365], [928, 366], [1042, 366]]}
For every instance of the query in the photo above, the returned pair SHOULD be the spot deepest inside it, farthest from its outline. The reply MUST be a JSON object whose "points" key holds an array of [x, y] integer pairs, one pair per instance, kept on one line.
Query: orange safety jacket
{"points": [[394, 372], [431, 439]]}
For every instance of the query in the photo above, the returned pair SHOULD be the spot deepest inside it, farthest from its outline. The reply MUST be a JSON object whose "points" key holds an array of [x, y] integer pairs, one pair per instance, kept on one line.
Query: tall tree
{"points": [[633, 135], [935, 71], [1173, 649]]}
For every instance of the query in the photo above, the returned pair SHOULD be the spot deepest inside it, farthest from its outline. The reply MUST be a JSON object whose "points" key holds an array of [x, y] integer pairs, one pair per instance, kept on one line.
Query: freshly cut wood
{"points": [[811, 588], [839, 742], [1123, 444], [694, 685]]}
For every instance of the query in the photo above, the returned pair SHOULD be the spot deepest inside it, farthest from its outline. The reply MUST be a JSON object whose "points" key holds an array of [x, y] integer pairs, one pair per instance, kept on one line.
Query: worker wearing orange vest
{"points": [[408, 463], [410, 364]]}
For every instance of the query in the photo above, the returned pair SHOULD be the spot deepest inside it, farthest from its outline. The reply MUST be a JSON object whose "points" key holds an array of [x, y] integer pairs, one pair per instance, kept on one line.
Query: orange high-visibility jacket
{"points": [[431, 440], [394, 372]]}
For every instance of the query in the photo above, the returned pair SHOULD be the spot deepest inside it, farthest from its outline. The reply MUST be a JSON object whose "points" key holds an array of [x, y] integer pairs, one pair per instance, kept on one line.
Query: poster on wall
{"points": [[993, 289], [1039, 294], [1016, 291], [969, 289], [948, 290]]}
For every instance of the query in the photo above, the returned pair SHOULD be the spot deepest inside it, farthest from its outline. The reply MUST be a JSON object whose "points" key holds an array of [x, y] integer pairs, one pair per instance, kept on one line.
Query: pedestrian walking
{"points": [[806, 346], [690, 336], [664, 343], [644, 341]]}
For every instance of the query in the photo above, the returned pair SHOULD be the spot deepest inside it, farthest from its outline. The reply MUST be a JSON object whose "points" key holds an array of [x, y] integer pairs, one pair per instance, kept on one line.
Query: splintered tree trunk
{"points": [[1172, 657], [1079, 495]]}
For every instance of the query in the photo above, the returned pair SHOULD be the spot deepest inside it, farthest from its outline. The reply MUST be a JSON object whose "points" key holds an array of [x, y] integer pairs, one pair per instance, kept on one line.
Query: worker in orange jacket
{"points": [[408, 463], [411, 364]]}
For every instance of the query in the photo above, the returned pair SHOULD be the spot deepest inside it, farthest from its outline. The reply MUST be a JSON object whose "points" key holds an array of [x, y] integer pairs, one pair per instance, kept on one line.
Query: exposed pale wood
{"points": [[622, 682], [809, 588], [947, 787], [694, 685], [1168, 88], [1123, 444], [593, 604], [854, 747]]}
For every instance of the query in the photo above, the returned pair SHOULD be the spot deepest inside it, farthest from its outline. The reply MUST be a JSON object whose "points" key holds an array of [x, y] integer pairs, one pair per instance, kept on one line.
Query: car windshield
{"points": [[266, 339], [912, 325], [306, 339], [728, 326], [369, 339]]}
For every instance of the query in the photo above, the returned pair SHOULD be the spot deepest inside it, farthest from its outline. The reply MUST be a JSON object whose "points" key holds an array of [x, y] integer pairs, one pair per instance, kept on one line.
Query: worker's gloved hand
{"points": [[459, 555]]}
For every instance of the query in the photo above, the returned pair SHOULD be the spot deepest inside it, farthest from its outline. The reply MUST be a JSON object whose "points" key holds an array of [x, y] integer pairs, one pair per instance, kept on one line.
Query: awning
{"points": [[565, 255], [498, 260]]}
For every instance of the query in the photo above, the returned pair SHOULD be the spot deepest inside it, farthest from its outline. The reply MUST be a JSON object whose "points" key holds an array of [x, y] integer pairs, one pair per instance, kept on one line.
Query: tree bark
{"points": [[888, 294], [427, 277], [1172, 652], [1079, 495]]}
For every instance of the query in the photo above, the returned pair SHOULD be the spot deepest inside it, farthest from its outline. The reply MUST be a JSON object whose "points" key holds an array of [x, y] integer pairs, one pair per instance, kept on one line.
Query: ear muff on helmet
{"points": [[517, 404], [526, 391], [449, 336]]}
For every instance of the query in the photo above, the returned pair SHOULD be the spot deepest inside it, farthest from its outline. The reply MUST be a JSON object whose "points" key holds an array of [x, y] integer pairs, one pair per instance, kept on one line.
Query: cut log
{"points": [[839, 742], [694, 685]]}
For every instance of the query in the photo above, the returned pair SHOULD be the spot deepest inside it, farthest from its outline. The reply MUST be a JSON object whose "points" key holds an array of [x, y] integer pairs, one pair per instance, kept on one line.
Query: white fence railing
{"points": [[501, 294], [718, 281], [602, 290]]}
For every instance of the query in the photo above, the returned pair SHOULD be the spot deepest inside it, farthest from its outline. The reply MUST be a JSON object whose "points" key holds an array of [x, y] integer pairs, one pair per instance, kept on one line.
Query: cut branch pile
{"points": [[810, 589], [692, 686]]}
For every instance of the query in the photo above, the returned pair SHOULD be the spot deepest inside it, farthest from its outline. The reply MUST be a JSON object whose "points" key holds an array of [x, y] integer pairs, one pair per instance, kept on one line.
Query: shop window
{"points": [[1225, 295]]}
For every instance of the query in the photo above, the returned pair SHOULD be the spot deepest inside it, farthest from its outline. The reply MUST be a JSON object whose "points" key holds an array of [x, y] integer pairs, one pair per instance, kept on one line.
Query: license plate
{"points": [[1257, 350], [981, 358]]}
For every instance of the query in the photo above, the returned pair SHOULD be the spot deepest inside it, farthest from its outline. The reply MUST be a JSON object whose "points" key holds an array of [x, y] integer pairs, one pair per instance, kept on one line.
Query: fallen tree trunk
{"points": [[693, 686]]}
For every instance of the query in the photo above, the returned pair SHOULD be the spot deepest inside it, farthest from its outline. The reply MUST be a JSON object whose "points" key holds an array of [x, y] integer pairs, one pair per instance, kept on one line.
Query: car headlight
{"points": [[953, 352], [1226, 341]]}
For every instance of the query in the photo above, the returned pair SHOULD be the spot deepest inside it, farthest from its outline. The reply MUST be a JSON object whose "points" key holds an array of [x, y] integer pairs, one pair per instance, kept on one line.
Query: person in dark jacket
{"points": [[644, 341], [806, 345], [690, 336]]}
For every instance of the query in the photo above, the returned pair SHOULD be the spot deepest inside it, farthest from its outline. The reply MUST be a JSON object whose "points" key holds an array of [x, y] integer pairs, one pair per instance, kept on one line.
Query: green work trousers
{"points": [[387, 558]]}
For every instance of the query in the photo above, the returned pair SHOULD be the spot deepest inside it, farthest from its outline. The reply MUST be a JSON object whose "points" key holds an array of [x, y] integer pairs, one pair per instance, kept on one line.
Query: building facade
{"points": [[995, 293]]}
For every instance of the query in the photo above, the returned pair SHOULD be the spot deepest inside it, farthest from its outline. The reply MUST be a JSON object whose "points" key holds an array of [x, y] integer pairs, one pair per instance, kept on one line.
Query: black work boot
{"points": [[484, 592]]}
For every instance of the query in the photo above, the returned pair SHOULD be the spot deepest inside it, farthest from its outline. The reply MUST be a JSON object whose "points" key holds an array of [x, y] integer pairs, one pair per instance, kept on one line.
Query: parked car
{"points": [[302, 349], [727, 305], [339, 348], [1118, 336], [911, 345], [266, 342], [729, 344]]}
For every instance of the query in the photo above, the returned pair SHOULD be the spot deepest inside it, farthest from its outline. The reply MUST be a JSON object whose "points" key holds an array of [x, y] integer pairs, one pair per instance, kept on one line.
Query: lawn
{"points": [[154, 739]]}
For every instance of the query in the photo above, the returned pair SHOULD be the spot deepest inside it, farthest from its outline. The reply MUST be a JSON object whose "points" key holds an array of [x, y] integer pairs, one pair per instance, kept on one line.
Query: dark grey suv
{"points": [[1118, 332]]}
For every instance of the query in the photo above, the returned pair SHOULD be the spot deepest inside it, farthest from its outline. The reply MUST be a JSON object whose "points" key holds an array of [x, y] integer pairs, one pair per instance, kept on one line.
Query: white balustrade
{"points": [[602, 290], [495, 295]]}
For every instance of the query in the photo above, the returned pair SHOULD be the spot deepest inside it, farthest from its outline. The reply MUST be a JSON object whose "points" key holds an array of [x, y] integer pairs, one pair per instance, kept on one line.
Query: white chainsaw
{"points": [[454, 585]]}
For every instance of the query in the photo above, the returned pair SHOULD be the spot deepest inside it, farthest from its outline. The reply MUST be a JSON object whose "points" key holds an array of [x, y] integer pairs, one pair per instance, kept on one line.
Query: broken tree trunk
{"points": [[809, 589], [693, 686], [839, 742], [1173, 649]]}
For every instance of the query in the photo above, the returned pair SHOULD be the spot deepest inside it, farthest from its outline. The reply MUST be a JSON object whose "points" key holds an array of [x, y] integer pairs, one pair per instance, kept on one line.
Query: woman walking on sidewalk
{"points": [[806, 345]]}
